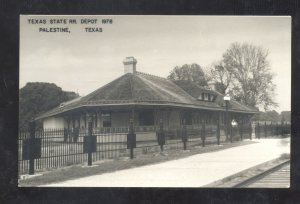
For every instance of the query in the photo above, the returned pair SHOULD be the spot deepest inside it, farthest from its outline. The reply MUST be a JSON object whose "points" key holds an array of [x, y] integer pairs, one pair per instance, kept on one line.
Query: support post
{"points": [[282, 131], [90, 130], [241, 130], [65, 134], [271, 129], [68, 131], [231, 132], [79, 121], [132, 114], [96, 119], [31, 147], [258, 130], [85, 125], [226, 121], [250, 130], [184, 134], [265, 129], [203, 135], [218, 131]]}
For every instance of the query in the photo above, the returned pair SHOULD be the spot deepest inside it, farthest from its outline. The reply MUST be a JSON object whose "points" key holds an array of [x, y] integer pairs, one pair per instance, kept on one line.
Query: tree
{"points": [[37, 97], [286, 116], [221, 76], [272, 116], [188, 72], [251, 77]]}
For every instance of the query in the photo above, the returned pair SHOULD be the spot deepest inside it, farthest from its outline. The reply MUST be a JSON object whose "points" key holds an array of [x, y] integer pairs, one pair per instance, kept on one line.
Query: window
{"points": [[146, 118], [188, 118], [106, 118], [206, 97], [200, 97], [212, 97]]}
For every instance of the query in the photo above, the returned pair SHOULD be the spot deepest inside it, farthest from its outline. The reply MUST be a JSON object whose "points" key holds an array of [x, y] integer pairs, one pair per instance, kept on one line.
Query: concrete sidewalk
{"points": [[194, 171]]}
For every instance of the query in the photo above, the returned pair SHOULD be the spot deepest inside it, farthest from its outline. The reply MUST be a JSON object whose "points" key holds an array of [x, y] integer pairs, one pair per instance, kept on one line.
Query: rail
{"points": [[260, 176]]}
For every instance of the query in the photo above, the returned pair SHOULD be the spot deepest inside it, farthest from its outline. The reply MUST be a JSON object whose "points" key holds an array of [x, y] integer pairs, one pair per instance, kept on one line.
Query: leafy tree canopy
{"points": [[38, 97], [286, 116], [273, 116], [189, 72]]}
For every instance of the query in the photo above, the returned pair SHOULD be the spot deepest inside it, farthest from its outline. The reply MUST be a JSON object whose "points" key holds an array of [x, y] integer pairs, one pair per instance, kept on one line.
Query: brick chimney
{"points": [[129, 65]]}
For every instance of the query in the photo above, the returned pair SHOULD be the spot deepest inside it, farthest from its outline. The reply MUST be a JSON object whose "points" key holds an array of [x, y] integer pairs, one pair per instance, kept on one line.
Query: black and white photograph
{"points": [[154, 101]]}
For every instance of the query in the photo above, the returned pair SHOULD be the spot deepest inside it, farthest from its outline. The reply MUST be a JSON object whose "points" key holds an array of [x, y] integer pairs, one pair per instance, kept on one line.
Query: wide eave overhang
{"points": [[136, 103]]}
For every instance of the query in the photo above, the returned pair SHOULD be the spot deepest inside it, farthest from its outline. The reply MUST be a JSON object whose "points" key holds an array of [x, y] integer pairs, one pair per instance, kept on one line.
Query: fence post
{"points": [[250, 130], [258, 130], [282, 125], [131, 139], [90, 130], [285, 128], [241, 130], [231, 132], [271, 129], [161, 135], [131, 131], [31, 146], [184, 135], [265, 129], [218, 131], [203, 135]]}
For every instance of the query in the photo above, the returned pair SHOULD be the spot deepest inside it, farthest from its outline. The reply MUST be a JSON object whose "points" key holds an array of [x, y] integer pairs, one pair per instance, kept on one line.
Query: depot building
{"points": [[146, 99]]}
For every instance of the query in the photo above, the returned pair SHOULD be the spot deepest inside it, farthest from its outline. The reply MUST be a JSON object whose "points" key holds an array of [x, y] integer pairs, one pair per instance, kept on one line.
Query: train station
{"points": [[137, 101]]}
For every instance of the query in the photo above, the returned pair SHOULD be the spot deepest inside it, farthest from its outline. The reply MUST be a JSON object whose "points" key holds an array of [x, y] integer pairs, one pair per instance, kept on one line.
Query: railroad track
{"points": [[276, 177]]}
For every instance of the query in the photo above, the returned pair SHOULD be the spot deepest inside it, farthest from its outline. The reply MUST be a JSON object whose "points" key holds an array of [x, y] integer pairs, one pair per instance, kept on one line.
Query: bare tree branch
{"points": [[252, 82]]}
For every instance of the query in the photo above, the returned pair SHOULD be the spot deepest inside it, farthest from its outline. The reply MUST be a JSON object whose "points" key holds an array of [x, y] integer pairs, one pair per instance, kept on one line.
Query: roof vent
{"points": [[129, 65]]}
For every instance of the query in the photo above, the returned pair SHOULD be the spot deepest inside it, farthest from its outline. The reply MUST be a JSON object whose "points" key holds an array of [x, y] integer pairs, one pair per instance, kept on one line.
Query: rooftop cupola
{"points": [[129, 65]]}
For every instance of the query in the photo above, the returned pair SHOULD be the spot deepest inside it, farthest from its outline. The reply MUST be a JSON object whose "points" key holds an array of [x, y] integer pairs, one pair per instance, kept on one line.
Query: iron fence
{"points": [[264, 130], [52, 148], [60, 147]]}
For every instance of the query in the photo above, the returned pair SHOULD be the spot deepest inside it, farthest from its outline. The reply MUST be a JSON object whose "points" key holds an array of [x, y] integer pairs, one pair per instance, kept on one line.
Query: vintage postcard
{"points": [[154, 101]]}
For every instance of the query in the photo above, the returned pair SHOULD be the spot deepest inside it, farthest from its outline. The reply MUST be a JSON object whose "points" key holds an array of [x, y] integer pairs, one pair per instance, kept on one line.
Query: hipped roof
{"points": [[142, 89]]}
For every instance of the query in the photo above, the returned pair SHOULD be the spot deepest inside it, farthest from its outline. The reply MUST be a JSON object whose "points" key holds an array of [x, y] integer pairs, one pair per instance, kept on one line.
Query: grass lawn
{"points": [[77, 171]]}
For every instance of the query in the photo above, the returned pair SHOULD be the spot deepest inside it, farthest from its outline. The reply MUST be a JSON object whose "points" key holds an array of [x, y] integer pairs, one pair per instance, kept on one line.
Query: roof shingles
{"points": [[144, 88]]}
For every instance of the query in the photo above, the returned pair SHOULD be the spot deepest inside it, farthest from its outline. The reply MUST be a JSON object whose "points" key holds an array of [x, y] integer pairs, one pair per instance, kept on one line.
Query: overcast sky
{"points": [[83, 61]]}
